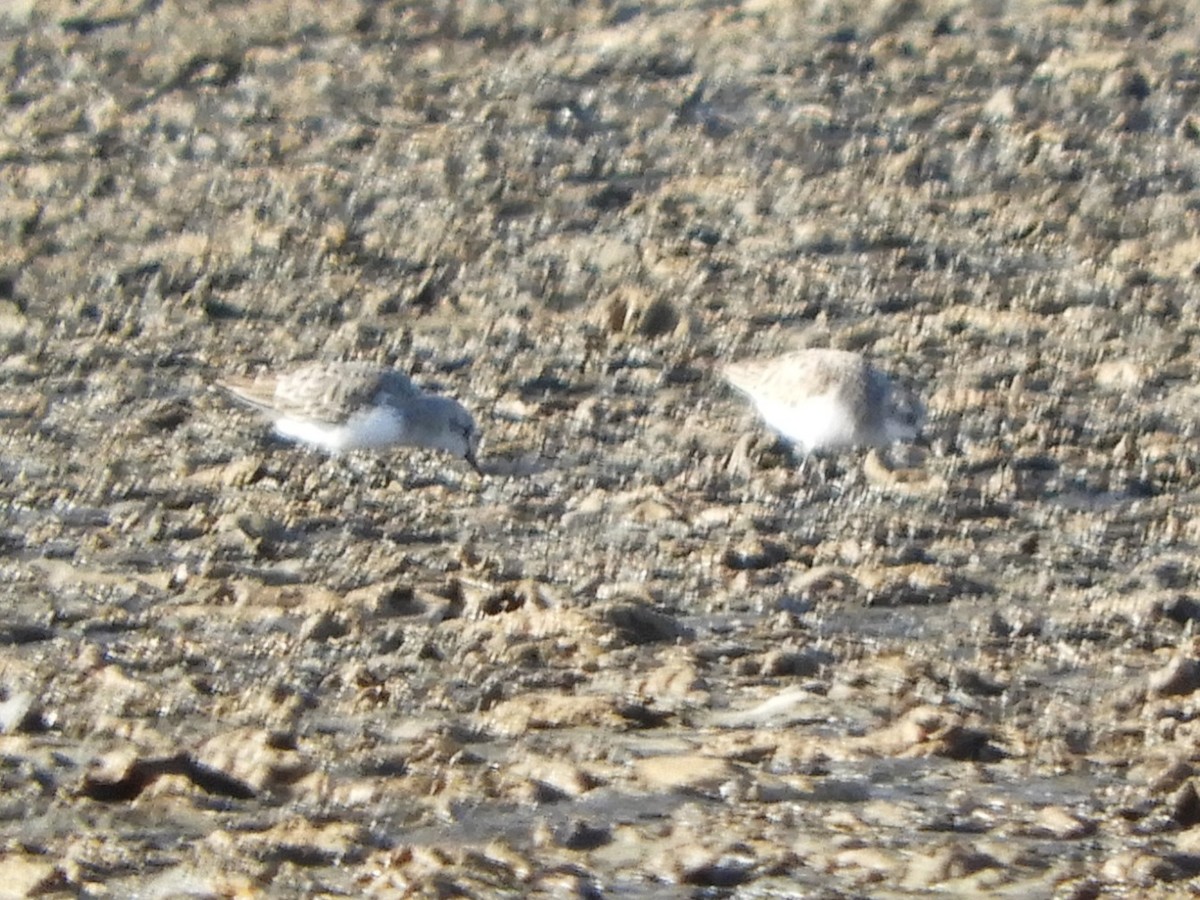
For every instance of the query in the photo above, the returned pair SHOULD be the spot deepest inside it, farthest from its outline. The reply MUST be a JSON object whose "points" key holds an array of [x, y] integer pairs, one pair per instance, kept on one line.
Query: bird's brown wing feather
{"points": [[323, 392], [810, 372], [258, 392]]}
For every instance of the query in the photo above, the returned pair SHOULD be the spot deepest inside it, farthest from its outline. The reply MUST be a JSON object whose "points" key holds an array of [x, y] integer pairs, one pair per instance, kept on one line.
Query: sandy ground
{"points": [[648, 656]]}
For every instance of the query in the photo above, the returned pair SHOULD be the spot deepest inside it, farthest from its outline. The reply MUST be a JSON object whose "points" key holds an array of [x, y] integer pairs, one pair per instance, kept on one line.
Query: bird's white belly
{"points": [[372, 429], [812, 423]]}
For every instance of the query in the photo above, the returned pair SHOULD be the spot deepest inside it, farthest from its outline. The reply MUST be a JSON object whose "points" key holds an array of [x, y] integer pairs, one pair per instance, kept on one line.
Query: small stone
{"points": [[690, 773], [578, 834], [26, 875], [1002, 105], [1180, 676], [1140, 868], [241, 472], [930, 731], [323, 626], [1180, 609], [1188, 842], [1172, 777], [801, 663], [1121, 375], [872, 860], [1063, 824], [550, 710], [629, 310], [944, 864], [1185, 806], [635, 624], [753, 553], [17, 713]]}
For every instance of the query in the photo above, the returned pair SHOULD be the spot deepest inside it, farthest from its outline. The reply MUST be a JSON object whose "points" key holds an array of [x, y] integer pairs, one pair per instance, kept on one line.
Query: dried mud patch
{"points": [[646, 653]]}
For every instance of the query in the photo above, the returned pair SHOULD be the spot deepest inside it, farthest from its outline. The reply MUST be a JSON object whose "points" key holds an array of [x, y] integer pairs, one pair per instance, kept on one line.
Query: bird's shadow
{"points": [[518, 467]]}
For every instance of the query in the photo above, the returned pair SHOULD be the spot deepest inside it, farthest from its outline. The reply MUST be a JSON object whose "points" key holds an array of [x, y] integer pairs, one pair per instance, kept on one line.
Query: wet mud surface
{"points": [[647, 655]]}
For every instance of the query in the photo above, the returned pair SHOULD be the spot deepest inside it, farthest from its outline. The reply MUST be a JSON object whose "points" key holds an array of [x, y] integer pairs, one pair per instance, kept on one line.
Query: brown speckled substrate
{"points": [[648, 655]]}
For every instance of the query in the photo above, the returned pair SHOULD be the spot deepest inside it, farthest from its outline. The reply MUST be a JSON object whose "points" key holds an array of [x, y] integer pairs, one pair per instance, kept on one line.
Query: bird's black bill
{"points": [[473, 463]]}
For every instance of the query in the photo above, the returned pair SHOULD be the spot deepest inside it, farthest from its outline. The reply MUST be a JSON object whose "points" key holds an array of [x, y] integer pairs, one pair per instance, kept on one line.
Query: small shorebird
{"points": [[339, 406], [823, 399]]}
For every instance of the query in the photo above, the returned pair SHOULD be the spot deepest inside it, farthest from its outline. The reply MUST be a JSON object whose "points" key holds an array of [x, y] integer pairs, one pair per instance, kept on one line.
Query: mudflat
{"points": [[649, 653]]}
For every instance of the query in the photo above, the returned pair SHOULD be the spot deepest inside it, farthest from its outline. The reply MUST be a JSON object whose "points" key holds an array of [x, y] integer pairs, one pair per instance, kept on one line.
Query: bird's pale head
{"points": [[453, 429]]}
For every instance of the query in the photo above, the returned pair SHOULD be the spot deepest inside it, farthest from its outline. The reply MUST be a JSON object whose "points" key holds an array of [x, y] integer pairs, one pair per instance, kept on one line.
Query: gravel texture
{"points": [[648, 654]]}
